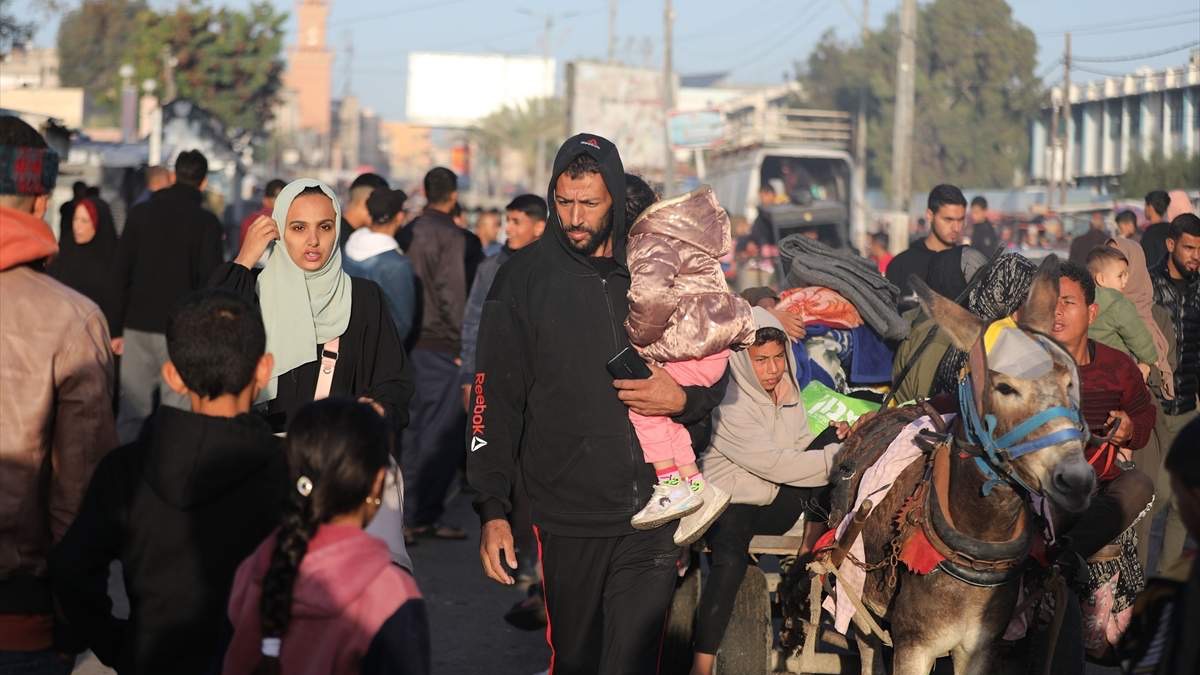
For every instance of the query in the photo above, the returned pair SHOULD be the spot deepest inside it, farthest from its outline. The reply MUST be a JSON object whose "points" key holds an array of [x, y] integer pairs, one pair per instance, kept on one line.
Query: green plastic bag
{"points": [[824, 405]]}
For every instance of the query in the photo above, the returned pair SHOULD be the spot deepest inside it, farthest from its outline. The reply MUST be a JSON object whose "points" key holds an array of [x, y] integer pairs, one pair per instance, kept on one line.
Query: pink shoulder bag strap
{"points": [[329, 355]]}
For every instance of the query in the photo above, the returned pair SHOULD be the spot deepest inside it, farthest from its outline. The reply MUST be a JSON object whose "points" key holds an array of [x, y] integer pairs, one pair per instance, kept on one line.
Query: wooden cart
{"points": [[749, 644]]}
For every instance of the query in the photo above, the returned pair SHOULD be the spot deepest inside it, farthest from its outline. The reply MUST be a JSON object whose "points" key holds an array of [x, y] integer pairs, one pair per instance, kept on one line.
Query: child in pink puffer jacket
{"points": [[682, 316]]}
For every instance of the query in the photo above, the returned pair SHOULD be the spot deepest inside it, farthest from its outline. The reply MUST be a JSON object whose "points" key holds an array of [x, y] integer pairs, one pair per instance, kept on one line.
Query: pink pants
{"points": [[665, 439]]}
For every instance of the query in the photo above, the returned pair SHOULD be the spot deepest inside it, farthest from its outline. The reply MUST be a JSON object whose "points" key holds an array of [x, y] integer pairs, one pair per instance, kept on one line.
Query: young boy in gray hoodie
{"points": [[759, 455]]}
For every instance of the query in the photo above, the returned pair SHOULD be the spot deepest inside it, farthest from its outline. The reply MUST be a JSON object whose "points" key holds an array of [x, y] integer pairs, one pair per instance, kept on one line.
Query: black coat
{"points": [[87, 268], [1182, 300], [543, 402], [371, 358], [169, 248], [1154, 243], [180, 508], [984, 238], [913, 261]]}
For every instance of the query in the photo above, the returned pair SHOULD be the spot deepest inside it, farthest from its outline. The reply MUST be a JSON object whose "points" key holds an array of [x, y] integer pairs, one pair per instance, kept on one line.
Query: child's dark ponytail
{"points": [[336, 447], [296, 528]]}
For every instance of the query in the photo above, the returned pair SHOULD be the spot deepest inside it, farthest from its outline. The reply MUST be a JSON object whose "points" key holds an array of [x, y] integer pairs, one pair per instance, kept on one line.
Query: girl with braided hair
{"points": [[320, 595]]}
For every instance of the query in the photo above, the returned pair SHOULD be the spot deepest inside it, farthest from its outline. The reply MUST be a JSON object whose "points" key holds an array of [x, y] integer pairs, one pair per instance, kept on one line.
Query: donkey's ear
{"points": [[1038, 312], [963, 327]]}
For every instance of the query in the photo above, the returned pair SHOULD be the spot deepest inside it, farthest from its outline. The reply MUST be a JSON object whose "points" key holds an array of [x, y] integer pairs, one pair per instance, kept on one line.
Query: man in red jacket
{"points": [[1116, 405]]}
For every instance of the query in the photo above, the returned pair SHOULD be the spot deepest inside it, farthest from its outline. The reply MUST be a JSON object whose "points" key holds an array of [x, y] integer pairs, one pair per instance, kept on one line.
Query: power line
{"points": [[1048, 68], [1126, 23], [1108, 73], [1102, 73], [485, 39], [1138, 57], [394, 12], [1121, 30], [861, 21], [788, 33], [721, 26]]}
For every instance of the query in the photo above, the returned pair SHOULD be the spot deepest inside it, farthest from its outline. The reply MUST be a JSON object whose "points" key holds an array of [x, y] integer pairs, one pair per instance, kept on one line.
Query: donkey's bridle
{"points": [[995, 455]]}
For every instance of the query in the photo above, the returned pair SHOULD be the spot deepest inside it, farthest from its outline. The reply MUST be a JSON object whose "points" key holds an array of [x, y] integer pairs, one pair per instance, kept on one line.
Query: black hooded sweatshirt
{"points": [[542, 400], [180, 508]]}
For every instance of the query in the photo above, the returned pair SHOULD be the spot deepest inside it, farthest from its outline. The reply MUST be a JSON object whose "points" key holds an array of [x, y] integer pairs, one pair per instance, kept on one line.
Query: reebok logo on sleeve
{"points": [[477, 425]]}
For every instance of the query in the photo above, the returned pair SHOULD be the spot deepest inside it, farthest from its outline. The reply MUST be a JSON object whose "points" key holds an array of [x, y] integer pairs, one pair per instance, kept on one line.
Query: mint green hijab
{"points": [[301, 309]]}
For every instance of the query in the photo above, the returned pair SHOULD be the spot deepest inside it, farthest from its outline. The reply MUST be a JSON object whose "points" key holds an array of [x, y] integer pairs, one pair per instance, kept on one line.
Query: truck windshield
{"points": [[805, 180]]}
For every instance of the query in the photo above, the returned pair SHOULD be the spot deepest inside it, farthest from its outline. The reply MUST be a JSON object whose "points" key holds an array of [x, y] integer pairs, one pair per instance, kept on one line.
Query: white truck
{"points": [[805, 156]]}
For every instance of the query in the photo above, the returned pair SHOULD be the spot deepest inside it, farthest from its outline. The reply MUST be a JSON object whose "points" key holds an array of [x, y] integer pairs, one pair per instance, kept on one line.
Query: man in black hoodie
{"points": [[543, 403], [181, 507], [169, 248]]}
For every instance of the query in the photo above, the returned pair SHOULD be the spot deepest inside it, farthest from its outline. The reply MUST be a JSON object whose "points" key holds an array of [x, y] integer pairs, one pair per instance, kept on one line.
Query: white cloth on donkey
{"points": [[876, 481]]}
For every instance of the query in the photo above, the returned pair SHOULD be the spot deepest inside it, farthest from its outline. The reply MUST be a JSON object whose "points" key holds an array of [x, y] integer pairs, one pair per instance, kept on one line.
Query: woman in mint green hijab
{"points": [[317, 318]]}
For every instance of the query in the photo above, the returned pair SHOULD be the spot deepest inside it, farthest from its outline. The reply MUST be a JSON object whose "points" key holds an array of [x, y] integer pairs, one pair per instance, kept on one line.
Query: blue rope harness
{"points": [[998, 453]]}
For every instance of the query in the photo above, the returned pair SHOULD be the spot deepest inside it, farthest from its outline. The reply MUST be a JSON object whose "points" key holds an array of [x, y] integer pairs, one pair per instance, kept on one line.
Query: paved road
{"points": [[465, 609], [465, 612], [469, 634]]}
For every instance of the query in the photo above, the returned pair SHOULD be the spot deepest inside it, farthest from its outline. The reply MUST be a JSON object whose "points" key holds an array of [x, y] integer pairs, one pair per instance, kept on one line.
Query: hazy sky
{"points": [[757, 40]]}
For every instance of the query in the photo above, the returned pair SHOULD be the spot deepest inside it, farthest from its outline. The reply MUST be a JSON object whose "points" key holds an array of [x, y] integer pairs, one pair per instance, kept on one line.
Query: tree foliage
{"points": [[92, 43], [1143, 175], [518, 128], [975, 92], [13, 31], [227, 61]]}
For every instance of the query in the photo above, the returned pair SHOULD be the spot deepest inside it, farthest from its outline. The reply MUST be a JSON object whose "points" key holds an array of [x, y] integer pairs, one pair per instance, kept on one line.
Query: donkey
{"points": [[1026, 385]]}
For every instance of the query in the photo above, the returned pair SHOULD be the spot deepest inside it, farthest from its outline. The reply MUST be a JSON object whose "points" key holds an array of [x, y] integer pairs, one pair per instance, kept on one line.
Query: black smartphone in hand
{"points": [[627, 365]]}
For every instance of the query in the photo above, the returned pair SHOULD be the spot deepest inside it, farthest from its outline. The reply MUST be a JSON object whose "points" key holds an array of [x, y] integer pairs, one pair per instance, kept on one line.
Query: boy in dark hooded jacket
{"points": [[182, 506]]}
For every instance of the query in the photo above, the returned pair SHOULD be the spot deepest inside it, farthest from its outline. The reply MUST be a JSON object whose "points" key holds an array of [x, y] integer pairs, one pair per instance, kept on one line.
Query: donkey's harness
{"points": [[925, 518]]}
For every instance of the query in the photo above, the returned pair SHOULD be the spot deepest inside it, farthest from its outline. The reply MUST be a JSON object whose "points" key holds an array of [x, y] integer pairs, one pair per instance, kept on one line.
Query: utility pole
{"points": [[668, 99], [857, 221], [1066, 116], [1052, 161], [348, 73], [612, 31], [902, 131], [539, 163], [168, 65]]}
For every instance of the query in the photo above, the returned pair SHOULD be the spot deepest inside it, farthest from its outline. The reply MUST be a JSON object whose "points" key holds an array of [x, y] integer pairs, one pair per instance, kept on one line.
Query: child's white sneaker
{"points": [[673, 498], [694, 526]]}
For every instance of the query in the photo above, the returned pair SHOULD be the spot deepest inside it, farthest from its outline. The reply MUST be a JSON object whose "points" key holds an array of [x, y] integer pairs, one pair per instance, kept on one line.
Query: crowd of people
{"points": [[257, 441]]}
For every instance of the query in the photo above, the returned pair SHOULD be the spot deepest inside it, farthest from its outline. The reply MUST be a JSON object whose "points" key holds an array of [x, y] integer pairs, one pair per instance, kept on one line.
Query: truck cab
{"points": [[804, 157]]}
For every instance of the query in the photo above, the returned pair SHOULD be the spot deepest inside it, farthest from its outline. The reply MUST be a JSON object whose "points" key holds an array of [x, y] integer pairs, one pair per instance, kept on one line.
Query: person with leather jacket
{"points": [[1176, 280]]}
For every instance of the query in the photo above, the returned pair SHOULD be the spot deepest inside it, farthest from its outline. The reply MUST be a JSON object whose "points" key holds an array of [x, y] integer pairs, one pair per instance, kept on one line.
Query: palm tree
{"points": [[519, 128]]}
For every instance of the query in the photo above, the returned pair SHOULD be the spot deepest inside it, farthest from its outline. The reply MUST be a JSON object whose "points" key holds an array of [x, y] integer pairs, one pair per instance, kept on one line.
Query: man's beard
{"points": [[937, 235], [1181, 268], [589, 246]]}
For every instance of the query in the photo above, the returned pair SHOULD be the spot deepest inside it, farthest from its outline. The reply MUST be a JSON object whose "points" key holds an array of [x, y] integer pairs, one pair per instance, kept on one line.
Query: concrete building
{"points": [[67, 104], [409, 149], [29, 67], [347, 134], [358, 143], [1116, 119]]}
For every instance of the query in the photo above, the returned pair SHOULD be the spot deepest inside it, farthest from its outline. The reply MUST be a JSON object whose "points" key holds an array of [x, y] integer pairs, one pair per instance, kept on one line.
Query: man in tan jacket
{"points": [[56, 378]]}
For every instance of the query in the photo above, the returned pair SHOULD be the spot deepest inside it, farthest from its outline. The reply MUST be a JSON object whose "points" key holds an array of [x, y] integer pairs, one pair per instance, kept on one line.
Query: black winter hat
{"points": [[384, 204]]}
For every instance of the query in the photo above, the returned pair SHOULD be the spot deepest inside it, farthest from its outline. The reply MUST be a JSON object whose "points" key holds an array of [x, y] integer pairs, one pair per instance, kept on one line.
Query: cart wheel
{"points": [[677, 642], [746, 647]]}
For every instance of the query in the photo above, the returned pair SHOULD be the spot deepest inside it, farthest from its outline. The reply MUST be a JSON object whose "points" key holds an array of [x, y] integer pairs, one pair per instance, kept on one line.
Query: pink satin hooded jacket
{"points": [[680, 307]]}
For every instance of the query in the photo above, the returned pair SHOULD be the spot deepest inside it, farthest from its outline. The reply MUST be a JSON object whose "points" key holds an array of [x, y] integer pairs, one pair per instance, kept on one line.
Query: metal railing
{"points": [[822, 128]]}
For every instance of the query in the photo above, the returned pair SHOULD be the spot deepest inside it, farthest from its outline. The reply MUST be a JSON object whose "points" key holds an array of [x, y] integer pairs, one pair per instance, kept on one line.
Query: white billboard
{"points": [[457, 90], [622, 104]]}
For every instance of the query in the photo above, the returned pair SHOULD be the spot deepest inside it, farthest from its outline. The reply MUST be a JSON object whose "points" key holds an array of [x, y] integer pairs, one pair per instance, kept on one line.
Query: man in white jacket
{"points": [[759, 454]]}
